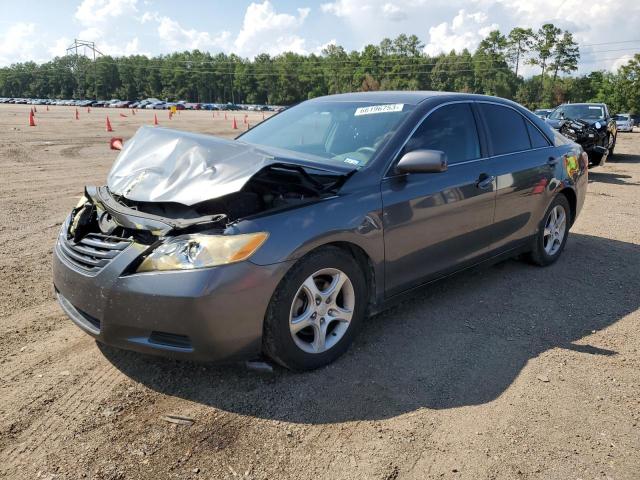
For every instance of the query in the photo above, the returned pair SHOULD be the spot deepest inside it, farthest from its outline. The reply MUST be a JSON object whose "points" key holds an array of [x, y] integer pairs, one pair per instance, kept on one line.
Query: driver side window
{"points": [[450, 129]]}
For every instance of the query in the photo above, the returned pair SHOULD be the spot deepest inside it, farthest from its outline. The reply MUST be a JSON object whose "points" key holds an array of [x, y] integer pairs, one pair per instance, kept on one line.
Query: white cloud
{"points": [[393, 12], [318, 50], [93, 12], [466, 30], [619, 62], [102, 21], [345, 8], [17, 44], [59, 47], [149, 16], [176, 37], [265, 30]]}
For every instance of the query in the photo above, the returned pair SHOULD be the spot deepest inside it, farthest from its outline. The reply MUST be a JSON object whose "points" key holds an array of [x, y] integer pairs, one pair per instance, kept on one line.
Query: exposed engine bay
{"points": [[276, 187], [592, 137]]}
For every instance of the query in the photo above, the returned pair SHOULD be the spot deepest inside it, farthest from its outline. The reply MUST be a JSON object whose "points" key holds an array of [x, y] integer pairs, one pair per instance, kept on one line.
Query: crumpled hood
{"points": [[162, 165]]}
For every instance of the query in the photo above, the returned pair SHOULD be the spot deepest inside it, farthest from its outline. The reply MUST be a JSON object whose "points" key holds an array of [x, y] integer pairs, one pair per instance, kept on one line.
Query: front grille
{"points": [[93, 252]]}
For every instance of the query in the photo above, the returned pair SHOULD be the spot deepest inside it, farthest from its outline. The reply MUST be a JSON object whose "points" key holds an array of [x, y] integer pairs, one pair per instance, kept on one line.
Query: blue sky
{"points": [[39, 30]]}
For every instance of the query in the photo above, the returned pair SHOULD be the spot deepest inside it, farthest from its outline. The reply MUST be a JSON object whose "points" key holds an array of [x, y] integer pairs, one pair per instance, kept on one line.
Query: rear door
{"points": [[438, 222], [524, 163]]}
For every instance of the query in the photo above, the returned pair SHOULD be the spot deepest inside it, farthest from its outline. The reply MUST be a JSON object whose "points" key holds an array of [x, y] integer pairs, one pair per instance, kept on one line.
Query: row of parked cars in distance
{"points": [[149, 103]]}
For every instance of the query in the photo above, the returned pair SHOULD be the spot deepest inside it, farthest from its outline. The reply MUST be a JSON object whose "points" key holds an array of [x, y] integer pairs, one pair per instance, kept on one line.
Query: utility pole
{"points": [[73, 50]]}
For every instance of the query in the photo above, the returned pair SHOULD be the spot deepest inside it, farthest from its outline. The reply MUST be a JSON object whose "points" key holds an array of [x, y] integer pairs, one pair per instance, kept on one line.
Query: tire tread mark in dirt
{"points": [[50, 427]]}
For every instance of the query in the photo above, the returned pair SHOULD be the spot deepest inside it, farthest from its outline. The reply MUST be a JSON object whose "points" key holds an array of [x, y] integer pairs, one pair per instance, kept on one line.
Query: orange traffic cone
{"points": [[32, 120], [115, 143], [155, 119], [235, 125], [77, 114], [109, 129]]}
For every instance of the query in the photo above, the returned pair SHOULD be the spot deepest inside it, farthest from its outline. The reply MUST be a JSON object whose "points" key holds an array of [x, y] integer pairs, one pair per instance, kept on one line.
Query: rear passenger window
{"points": [[450, 129], [538, 140], [507, 129]]}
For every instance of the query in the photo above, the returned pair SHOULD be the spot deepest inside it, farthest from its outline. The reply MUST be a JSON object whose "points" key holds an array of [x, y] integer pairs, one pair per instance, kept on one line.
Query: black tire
{"points": [[277, 340], [538, 255], [613, 146]]}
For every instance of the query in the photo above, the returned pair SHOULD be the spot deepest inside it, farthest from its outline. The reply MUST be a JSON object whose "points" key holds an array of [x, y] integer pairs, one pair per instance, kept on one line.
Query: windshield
{"points": [[347, 132], [580, 112], [622, 118]]}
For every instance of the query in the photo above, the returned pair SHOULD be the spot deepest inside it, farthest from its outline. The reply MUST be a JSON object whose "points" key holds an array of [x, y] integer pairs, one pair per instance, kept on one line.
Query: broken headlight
{"points": [[187, 252]]}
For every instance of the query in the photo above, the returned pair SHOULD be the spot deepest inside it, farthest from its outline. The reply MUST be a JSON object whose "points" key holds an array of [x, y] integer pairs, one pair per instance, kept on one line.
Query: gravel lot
{"points": [[510, 372]]}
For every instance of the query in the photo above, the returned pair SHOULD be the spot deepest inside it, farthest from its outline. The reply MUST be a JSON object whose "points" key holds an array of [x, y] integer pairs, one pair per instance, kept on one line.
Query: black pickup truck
{"points": [[589, 124]]}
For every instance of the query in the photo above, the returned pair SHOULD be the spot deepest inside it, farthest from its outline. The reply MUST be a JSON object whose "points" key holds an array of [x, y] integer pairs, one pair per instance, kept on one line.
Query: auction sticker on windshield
{"points": [[394, 107]]}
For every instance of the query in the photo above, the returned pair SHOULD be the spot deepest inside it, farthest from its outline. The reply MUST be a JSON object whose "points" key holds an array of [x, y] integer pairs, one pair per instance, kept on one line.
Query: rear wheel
{"points": [[316, 310], [552, 233]]}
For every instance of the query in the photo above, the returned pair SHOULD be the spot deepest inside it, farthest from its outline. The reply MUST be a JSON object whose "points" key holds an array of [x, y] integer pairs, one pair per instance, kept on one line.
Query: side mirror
{"points": [[422, 161]]}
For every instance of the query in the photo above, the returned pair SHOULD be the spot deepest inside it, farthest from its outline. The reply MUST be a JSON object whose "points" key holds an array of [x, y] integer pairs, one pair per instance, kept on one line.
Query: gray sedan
{"points": [[283, 241]]}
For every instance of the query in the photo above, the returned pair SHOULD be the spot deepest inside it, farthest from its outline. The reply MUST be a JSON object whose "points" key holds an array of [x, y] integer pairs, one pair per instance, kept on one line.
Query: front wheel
{"points": [[552, 233], [613, 146], [316, 310]]}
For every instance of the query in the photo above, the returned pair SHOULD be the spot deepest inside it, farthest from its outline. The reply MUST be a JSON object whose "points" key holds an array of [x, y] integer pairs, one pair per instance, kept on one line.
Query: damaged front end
{"points": [[591, 137], [174, 195]]}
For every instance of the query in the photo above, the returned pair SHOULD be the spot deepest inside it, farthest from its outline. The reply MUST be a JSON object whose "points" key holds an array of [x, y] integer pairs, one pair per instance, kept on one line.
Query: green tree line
{"points": [[494, 68]]}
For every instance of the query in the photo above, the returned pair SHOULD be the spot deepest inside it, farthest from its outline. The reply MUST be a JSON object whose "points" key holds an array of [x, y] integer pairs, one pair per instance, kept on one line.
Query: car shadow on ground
{"points": [[624, 158], [611, 178], [461, 341]]}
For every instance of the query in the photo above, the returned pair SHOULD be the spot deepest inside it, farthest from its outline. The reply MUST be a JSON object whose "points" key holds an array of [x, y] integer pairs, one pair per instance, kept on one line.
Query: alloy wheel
{"points": [[322, 310], [554, 230]]}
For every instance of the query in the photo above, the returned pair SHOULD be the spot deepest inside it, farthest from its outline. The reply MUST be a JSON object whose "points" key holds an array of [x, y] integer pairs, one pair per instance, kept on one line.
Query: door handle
{"points": [[485, 181], [552, 161]]}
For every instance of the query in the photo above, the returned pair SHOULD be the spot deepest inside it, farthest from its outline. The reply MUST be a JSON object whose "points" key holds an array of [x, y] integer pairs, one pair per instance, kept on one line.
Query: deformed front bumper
{"points": [[211, 314]]}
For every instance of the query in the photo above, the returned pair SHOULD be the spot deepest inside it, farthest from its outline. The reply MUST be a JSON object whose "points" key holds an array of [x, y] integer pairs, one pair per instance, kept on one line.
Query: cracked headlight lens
{"points": [[187, 252]]}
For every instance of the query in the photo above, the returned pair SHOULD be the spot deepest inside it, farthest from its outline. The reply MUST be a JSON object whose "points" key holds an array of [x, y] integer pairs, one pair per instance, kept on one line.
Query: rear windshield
{"points": [[346, 132]]}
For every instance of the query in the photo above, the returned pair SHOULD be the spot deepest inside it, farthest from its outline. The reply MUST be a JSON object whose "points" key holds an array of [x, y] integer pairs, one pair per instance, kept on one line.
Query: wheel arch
{"points": [[366, 264], [572, 198], [371, 271]]}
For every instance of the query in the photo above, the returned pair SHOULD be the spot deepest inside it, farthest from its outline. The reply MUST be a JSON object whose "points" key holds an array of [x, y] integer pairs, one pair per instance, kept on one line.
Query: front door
{"points": [[435, 223]]}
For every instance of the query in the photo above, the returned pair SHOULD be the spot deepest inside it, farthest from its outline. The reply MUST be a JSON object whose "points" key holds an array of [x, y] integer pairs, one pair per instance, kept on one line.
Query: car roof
{"points": [[408, 97]]}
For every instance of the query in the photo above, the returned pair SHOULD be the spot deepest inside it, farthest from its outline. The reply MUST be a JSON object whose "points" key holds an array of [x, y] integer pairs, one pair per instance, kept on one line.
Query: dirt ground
{"points": [[511, 372]]}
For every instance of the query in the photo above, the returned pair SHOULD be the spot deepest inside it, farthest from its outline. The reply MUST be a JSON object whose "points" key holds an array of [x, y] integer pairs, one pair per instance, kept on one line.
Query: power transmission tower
{"points": [[84, 45]]}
